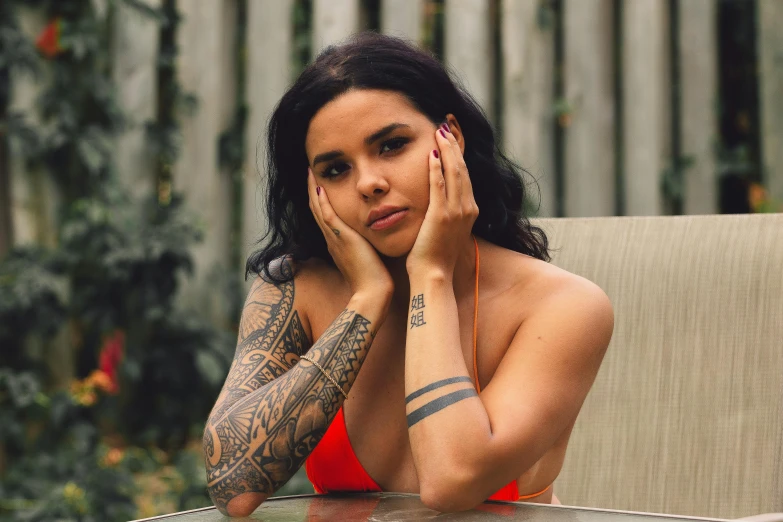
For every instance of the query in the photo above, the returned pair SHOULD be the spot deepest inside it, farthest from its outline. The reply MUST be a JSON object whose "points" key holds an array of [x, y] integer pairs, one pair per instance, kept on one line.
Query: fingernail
{"points": [[435, 153], [442, 133], [445, 127], [318, 190]]}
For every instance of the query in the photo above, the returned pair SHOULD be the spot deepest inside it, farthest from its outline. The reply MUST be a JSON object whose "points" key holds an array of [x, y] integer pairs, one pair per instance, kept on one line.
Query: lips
{"points": [[389, 221], [381, 212]]}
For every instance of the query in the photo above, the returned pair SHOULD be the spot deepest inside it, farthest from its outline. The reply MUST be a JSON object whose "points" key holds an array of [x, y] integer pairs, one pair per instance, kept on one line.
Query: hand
{"points": [[451, 212], [354, 256]]}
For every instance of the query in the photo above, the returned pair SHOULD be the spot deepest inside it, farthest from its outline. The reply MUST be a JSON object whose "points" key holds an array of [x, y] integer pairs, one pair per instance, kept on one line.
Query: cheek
{"points": [[420, 180], [341, 205]]}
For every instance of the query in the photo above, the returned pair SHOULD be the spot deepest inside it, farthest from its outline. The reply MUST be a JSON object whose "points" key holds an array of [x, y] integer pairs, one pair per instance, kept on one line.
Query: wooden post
{"points": [[202, 66], [644, 67], [35, 208], [528, 73], [6, 227], [135, 74], [468, 48], [589, 134], [698, 107], [269, 44], [770, 50], [34, 195], [404, 18], [333, 21]]}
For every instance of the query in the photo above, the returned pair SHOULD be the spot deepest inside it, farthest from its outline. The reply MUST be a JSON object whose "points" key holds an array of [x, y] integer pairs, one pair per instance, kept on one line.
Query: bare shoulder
{"points": [[311, 285], [290, 287], [547, 293]]}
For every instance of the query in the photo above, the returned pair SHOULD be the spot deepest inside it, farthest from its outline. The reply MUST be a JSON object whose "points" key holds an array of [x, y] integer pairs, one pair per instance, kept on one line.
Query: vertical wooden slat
{"points": [[403, 18], [135, 73], [269, 46], [770, 51], [34, 195], [644, 64], [35, 207], [698, 107], [6, 228], [333, 21], [589, 163], [528, 72], [197, 174], [468, 47]]}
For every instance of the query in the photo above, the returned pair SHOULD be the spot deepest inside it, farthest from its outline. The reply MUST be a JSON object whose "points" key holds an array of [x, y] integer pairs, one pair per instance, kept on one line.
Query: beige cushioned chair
{"points": [[686, 414]]}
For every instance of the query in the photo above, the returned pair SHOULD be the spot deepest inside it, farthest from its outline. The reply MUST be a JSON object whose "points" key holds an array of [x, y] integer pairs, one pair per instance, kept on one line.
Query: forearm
{"points": [[261, 441], [446, 433]]}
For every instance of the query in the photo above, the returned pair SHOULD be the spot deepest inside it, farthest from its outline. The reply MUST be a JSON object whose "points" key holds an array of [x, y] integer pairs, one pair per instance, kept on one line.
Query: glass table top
{"points": [[387, 507]]}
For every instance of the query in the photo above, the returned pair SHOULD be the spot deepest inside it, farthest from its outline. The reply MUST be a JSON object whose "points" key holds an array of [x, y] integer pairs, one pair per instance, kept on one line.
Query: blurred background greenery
{"points": [[107, 370]]}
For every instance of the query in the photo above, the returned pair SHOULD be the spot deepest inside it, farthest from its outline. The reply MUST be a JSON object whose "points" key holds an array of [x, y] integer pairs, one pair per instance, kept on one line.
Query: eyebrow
{"points": [[369, 140]]}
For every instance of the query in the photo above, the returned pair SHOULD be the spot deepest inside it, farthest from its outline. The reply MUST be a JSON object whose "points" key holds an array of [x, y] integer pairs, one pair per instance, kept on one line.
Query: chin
{"points": [[394, 245]]}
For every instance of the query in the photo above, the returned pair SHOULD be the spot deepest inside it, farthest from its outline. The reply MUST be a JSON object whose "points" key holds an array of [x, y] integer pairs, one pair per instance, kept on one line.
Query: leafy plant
{"points": [[145, 373]]}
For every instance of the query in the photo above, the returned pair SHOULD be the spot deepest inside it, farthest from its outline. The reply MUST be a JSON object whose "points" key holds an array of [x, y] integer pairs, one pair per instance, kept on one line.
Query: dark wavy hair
{"points": [[375, 61]]}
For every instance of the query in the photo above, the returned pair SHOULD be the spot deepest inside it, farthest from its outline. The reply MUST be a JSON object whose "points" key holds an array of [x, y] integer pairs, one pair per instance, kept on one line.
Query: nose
{"points": [[371, 183]]}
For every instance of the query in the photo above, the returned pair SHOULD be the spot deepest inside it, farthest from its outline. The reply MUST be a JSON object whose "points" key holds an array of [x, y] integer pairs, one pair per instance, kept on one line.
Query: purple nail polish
{"points": [[442, 133], [445, 127], [435, 153], [318, 190]]}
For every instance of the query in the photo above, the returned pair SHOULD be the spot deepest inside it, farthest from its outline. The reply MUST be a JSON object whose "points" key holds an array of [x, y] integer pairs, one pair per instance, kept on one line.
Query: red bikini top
{"points": [[333, 465]]}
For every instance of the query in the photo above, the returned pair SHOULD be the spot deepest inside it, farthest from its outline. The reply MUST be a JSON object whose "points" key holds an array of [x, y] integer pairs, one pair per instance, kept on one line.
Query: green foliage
{"points": [[117, 268], [56, 472], [32, 300], [673, 178], [112, 278], [163, 134]]}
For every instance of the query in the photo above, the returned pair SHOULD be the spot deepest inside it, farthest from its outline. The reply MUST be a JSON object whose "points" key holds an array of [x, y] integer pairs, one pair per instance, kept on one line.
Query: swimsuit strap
{"points": [[475, 317], [475, 360]]}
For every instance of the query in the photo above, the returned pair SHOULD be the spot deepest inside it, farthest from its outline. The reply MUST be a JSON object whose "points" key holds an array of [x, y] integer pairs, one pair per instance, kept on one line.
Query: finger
{"points": [[468, 199], [437, 181], [331, 220], [315, 206], [450, 167]]}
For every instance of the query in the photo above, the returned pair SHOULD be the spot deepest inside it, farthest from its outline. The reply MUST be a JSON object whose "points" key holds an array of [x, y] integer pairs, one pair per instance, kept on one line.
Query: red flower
{"points": [[112, 353], [48, 41]]}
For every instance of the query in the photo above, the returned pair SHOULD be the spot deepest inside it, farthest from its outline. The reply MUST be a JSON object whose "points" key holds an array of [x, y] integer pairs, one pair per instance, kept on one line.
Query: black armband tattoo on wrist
{"points": [[439, 404], [435, 386]]}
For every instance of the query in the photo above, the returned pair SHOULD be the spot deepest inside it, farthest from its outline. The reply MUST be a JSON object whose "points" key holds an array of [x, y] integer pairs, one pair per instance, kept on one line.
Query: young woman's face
{"points": [[369, 149]]}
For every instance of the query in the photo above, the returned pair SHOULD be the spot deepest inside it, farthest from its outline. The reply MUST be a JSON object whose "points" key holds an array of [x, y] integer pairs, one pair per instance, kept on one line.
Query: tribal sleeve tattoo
{"points": [[272, 412]]}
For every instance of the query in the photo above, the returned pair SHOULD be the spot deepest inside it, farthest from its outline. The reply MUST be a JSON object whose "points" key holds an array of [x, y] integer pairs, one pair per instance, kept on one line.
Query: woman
{"points": [[378, 167]]}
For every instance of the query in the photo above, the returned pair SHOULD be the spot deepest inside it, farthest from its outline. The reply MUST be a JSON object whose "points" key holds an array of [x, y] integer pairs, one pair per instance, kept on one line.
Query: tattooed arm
{"points": [[273, 411], [466, 447], [437, 382]]}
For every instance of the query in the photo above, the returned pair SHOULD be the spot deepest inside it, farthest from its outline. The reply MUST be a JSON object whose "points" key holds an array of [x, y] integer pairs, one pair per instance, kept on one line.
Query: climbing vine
{"points": [[100, 306]]}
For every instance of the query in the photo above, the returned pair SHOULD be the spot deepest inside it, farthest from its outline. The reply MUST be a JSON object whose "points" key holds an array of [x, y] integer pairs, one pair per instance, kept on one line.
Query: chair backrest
{"points": [[686, 414]]}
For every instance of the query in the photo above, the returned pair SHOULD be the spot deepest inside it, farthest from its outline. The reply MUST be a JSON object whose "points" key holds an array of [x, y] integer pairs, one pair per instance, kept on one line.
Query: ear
{"points": [[456, 131]]}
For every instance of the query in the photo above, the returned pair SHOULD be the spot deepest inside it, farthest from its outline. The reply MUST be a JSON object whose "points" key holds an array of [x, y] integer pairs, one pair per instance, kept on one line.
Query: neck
{"points": [[463, 281]]}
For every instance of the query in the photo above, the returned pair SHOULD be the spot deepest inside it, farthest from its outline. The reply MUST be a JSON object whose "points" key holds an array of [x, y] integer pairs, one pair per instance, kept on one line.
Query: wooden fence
{"points": [[583, 99]]}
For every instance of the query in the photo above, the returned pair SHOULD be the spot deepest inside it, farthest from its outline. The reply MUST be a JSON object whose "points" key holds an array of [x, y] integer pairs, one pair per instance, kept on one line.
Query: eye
{"points": [[333, 170], [393, 144]]}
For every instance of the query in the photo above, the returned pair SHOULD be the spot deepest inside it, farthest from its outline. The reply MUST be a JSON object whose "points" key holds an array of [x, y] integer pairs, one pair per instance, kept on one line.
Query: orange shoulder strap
{"points": [[475, 317]]}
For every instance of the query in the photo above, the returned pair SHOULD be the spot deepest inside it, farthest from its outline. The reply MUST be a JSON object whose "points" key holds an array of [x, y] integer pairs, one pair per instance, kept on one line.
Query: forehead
{"points": [[356, 114]]}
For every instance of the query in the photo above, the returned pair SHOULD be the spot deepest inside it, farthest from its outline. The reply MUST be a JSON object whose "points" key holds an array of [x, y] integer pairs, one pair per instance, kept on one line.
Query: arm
{"points": [[472, 446], [272, 411]]}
